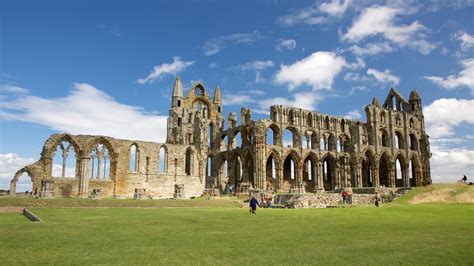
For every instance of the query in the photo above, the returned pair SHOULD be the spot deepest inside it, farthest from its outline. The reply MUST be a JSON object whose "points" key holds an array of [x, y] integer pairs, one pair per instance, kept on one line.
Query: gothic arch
{"points": [[17, 176], [296, 136], [64, 137], [385, 167], [328, 171]]}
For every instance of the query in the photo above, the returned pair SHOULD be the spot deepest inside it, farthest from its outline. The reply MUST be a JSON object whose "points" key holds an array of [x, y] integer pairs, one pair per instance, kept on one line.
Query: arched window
{"points": [[162, 160], [339, 146], [326, 122], [209, 166], [64, 160], [188, 162], [399, 143], [398, 120], [270, 136], [412, 123], [322, 144], [309, 170], [24, 184], [413, 143], [99, 162], [343, 125], [398, 173], [382, 117], [309, 120], [237, 141], [224, 141], [134, 157], [287, 138], [384, 138], [210, 135]]}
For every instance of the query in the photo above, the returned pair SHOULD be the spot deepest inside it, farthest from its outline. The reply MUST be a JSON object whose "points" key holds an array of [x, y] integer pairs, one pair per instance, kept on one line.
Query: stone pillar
{"points": [[84, 177], [405, 174], [64, 155], [337, 175], [319, 174], [391, 176], [358, 167], [375, 176]]}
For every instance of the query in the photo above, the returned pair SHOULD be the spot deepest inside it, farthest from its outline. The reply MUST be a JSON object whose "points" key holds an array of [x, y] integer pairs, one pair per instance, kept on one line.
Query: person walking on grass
{"points": [[253, 205]]}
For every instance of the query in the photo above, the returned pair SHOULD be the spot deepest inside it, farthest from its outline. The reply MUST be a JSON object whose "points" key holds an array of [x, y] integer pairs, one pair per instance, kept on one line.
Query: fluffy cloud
{"points": [[86, 110], [9, 164], [443, 115], [371, 49], [335, 7], [353, 115], [215, 45], [166, 69], [383, 77], [467, 41], [316, 14], [380, 21], [317, 70], [465, 78], [289, 44], [450, 164], [240, 99]]}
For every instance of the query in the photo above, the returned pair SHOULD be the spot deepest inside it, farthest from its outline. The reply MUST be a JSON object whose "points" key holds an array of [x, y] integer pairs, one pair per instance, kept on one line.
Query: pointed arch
{"points": [[273, 135], [400, 166], [310, 164], [384, 170], [271, 173], [291, 137], [64, 159], [100, 161], [163, 159], [134, 158], [398, 140], [328, 172]]}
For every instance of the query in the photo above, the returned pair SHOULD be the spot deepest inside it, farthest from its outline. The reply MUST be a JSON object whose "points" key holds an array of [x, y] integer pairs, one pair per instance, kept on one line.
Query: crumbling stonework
{"points": [[202, 153]]}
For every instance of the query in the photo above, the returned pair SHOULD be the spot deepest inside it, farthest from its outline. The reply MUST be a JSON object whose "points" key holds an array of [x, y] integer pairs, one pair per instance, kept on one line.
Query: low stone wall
{"points": [[318, 200]]}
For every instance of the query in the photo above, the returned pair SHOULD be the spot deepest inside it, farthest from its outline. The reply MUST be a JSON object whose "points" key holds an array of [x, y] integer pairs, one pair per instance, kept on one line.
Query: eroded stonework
{"points": [[204, 154]]}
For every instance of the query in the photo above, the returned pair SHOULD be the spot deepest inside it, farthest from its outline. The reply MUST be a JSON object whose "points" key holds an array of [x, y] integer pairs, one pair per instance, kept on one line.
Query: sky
{"points": [[108, 67]]}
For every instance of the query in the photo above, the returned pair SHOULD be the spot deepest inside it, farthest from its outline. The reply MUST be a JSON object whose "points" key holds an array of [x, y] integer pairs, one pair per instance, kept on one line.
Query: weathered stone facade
{"points": [[202, 154]]}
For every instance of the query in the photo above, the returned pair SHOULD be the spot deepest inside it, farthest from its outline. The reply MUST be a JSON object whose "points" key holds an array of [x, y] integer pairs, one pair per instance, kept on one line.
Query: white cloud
{"points": [[240, 99], [289, 44], [380, 21], [87, 110], [467, 41], [317, 70], [316, 14], [360, 63], [465, 78], [383, 77], [13, 89], [256, 65], [9, 164], [215, 45], [443, 115], [335, 7], [353, 115], [58, 171], [450, 164], [371, 49], [166, 69]]}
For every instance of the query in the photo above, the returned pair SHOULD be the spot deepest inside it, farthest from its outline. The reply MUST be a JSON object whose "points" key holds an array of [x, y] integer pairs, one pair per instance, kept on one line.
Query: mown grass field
{"points": [[396, 233]]}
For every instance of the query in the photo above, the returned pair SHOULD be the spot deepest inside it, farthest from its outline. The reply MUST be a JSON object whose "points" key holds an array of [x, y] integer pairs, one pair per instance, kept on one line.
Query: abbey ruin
{"points": [[204, 153]]}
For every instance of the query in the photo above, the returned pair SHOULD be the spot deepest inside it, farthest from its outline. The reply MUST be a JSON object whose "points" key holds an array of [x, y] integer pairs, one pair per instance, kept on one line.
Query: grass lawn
{"points": [[394, 234]]}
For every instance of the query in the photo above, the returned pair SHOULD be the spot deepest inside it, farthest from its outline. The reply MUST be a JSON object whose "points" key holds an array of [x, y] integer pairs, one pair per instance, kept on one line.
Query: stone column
{"points": [[405, 174], [84, 177], [375, 176], [319, 172]]}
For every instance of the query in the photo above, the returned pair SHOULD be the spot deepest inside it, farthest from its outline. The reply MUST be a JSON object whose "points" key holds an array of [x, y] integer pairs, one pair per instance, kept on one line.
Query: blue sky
{"points": [[87, 67]]}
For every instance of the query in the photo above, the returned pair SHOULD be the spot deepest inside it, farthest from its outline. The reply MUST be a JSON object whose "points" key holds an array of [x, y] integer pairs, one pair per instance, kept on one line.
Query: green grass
{"points": [[393, 234], [77, 202]]}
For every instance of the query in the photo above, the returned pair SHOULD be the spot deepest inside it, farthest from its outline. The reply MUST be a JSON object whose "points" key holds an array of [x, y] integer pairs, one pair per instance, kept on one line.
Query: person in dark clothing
{"points": [[253, 205], [377, 199]]}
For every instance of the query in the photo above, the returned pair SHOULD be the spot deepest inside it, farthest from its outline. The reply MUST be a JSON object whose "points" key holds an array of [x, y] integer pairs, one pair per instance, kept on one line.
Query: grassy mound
{"points": [[439, 193]]}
